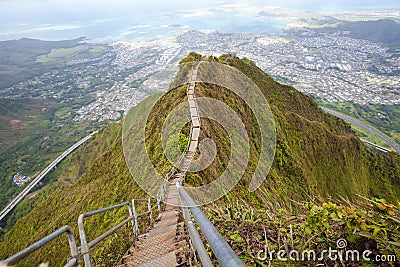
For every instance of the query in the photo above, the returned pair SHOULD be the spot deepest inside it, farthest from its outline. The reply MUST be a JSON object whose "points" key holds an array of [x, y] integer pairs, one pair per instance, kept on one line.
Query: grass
{"points": [[361, 132], [384, 118], [65, 54], [97, 49], [374, 139], [58, 53]]}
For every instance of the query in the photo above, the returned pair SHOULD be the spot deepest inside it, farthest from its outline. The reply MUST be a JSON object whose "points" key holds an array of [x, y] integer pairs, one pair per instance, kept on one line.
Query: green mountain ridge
{"points": [[320, 169], [381, 31]]}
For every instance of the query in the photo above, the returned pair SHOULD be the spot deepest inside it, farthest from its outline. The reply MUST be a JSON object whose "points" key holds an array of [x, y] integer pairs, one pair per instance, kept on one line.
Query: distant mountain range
{"points": [[381, 31]]}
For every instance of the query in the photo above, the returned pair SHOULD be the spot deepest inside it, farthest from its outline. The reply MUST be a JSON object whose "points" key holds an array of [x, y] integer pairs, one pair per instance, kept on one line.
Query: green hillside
{"points": [[33, 132], [93, 177], [310, 198]]}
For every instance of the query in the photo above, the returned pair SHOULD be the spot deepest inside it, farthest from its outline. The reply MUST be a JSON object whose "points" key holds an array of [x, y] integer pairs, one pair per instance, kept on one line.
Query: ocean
{"points": [[101, 21]]}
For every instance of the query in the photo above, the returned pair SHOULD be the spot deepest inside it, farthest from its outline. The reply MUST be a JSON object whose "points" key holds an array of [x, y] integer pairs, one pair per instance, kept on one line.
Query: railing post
{"points": [[159, 201], [131, 215], [150, 210], [136, 229], [84, 243]]}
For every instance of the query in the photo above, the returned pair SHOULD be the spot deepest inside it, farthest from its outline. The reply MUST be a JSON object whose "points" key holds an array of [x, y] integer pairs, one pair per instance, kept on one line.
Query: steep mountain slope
{"points": [[94, 177], [326, 155], [318, 159]]}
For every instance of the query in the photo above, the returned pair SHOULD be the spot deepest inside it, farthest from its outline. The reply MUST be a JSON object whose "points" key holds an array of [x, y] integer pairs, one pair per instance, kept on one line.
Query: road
{"points": [[376, 146], [366, 127], [41, 175]]}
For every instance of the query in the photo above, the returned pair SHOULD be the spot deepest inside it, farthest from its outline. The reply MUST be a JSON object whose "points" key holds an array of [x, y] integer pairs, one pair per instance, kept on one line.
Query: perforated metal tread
{"points": [[167, 260], [158, 246]]}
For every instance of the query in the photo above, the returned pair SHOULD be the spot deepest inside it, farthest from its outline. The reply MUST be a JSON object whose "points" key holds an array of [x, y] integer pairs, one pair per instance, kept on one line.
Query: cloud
{"points": [[142, 26], [44, 28], [194, 13], [125, 33]]}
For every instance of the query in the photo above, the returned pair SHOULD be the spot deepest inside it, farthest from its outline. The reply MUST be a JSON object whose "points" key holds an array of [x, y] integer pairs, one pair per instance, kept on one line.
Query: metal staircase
{"points": [[173, 240], [158, 247], [165, 244]]}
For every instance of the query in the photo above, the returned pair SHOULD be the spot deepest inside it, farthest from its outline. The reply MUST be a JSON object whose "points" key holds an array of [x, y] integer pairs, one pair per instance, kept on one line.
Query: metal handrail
{"points": [[172, 171], [224, 253], [133, 218], [35, 246], [83, 250], [195, 239], [85, 246]]}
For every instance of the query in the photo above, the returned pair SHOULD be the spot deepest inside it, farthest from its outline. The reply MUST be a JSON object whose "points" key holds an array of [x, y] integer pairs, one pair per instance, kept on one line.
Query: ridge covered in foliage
{"points": [[310, 197]]}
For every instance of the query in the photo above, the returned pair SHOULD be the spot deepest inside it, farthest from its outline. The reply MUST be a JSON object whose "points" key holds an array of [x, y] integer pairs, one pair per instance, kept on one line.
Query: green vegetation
{"points": [[364, 134], [97, 49], [310, 144], [368, 225], [18, 58], [315, 150], [191, 58], [34, 131], [58, 55], [93, 177], [176, 144], [309, 198], [25, 50], [36, 115], [26, 58]]}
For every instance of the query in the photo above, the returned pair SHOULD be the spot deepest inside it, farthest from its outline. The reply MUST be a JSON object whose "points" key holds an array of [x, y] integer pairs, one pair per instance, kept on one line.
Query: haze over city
{"points": [[125, 20]]}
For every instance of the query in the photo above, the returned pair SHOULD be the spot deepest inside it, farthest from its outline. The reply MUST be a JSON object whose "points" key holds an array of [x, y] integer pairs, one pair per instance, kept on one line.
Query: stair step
{"points": [[167, 260], [150, 256], [165, 223], [157, 243], [169, 213], [162, 230]]}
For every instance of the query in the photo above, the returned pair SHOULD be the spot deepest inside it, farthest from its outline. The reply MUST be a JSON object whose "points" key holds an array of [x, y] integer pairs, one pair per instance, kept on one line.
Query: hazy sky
{"points": [[28, 17], [86, 8]]}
